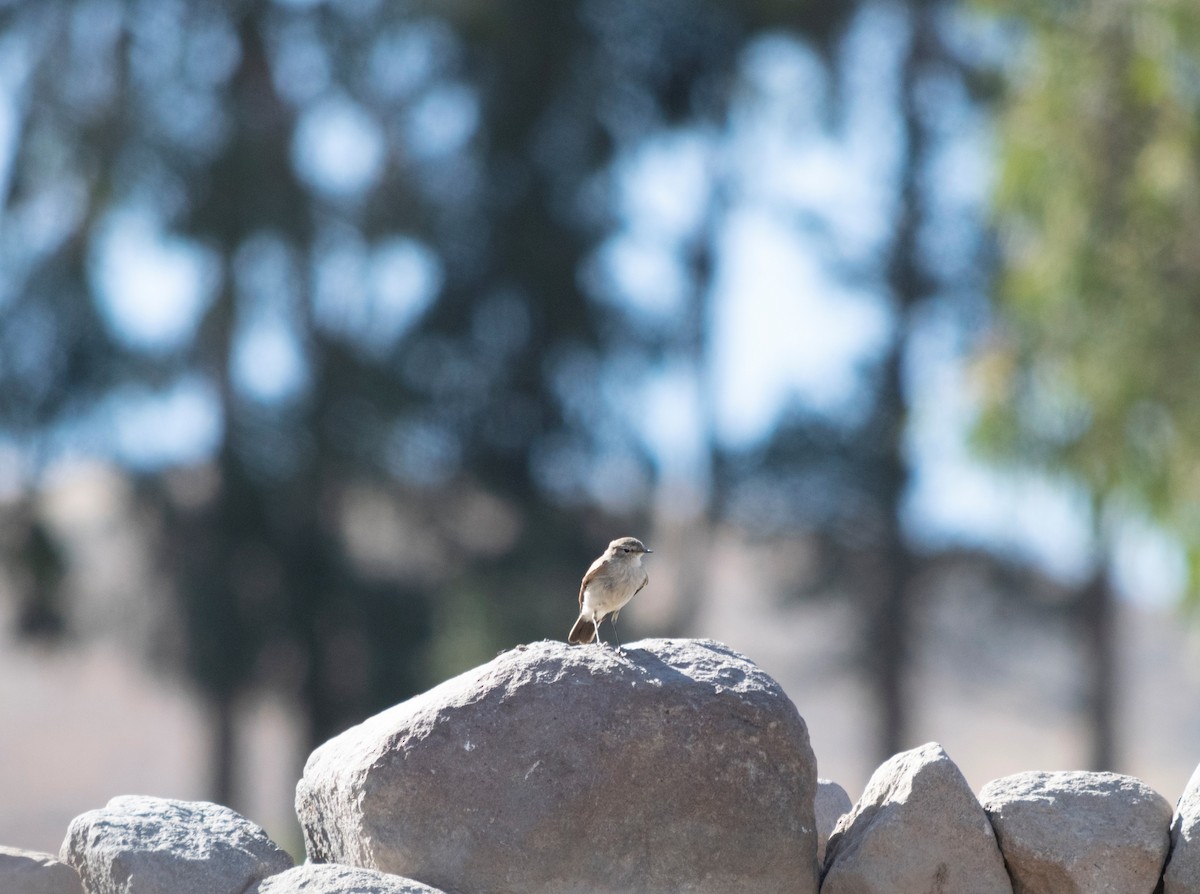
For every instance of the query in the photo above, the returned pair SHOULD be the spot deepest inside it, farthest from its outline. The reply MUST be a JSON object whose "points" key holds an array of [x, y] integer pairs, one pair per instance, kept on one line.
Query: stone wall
{"points": [[669, 766]]}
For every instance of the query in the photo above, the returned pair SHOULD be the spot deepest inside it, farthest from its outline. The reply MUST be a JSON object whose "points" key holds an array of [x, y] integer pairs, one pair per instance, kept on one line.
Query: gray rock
{"points": [[333, 878], [142, 845], [1079, 832], [29, 872], [917, 828], [1183, 870], [675, 765], [831, 804]]}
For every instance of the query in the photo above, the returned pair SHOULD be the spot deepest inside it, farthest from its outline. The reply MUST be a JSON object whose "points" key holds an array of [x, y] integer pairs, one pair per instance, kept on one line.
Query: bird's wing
{"points": [[641, 586], [587, 578]]}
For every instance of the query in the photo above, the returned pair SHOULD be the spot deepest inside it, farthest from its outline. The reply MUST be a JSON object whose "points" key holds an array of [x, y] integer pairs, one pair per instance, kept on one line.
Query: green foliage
{"points": [[1094, 370]]}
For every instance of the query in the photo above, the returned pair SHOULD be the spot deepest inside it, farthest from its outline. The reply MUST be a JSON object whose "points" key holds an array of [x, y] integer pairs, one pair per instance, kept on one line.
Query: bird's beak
{"points": [[649, 550]]}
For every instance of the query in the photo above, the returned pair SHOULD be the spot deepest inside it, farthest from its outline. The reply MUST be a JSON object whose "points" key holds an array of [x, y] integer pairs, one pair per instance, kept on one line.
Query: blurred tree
{"points": [[1090, 373], [847, 479], [908, 283], [348, 240]]}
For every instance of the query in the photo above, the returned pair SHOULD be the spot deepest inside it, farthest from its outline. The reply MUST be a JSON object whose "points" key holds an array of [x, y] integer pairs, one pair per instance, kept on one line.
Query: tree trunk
{"points": [[1097, 616], [223, 749], [891, 615], [890, 621]]}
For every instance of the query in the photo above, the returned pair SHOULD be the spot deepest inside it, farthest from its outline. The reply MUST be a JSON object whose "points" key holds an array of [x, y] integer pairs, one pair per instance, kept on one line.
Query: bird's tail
{"points": [[584, 631]]}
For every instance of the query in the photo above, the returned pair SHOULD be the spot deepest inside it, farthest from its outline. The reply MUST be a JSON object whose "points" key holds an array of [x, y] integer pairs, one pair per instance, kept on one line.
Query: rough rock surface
{"points": [[1183, 870], [142, 845], [831, 804], [671, 766], [332, 878], [30, 872], [917, 828], [1079, 832]]}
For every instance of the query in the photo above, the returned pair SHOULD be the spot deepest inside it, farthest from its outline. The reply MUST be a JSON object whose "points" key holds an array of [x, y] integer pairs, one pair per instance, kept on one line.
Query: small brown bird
{"points": [[614, 578]]}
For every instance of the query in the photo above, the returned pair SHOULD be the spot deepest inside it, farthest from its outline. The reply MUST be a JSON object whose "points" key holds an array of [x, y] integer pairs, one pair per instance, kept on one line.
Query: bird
{"points": [[612, 580]]}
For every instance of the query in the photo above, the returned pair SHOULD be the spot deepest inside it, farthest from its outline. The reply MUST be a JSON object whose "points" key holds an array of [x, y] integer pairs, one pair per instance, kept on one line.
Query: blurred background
{"points": [[337, 338]]}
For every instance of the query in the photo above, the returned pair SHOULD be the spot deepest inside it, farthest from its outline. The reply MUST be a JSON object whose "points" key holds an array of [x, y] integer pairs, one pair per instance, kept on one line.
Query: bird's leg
{"points": [[613, 618]]}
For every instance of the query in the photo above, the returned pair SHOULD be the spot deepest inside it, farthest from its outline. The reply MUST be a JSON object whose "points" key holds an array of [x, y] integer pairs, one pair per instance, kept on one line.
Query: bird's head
{"points": [[628, 547]]}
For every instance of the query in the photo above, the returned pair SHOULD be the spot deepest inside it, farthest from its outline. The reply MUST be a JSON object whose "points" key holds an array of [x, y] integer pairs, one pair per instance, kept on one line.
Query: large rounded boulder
{"points": [[669, 766]]}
